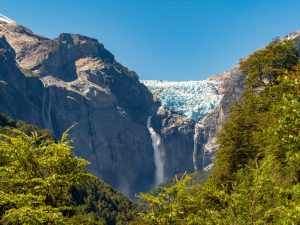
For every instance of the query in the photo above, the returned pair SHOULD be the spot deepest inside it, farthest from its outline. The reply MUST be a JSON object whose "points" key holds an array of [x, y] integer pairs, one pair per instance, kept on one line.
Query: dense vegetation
{"points": [[7, 122], [41, 182], [256, 179], [200, 176]]}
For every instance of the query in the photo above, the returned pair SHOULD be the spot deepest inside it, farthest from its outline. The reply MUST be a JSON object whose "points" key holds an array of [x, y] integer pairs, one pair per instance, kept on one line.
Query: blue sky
{"points": [[165, 39]]}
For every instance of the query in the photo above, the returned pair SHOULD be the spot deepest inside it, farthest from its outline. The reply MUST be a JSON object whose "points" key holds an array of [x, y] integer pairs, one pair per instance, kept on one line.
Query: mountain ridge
{"points": [[73, 79], [106, 101], [101, 87]]}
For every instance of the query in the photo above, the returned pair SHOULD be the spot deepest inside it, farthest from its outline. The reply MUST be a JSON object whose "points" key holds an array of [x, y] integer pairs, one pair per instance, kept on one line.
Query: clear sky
{"points": [[165, 39]]}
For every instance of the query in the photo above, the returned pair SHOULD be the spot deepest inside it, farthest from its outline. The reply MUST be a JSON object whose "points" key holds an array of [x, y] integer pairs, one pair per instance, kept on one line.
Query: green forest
{"points": [[42, 182], [255, 178]]}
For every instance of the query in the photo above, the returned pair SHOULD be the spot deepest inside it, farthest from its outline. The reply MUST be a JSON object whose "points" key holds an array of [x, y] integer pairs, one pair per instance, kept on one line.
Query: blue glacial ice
{"points": [[193, 99]]}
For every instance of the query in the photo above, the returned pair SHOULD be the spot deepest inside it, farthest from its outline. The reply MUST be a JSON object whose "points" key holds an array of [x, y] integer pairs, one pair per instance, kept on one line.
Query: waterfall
{"points": [[221, 117], [49, 111], [203, 159], [159, 153], [198, 128], [43, 109], [195, 147], [46, 113]]}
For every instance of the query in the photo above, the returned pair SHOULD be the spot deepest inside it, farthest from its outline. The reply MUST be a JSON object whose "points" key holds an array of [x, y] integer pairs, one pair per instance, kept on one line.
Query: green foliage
{"points": [[264, 66], [244, 136], [287, 133], [28, 129], [42, 182], [36, 177], [164, 208], [256, 179], [200, 176], [34, 216], [287, 129], [106, 204]]}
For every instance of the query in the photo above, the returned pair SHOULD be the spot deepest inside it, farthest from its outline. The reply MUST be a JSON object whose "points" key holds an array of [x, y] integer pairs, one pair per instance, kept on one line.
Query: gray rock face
{"points": [[232, 85], [74, 80], [177, 133], [191, 145], [16, 90]]}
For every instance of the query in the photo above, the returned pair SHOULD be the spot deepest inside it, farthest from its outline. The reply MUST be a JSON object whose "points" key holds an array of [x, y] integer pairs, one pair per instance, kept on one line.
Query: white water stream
{"points": [[159, 152], [195, 147]]}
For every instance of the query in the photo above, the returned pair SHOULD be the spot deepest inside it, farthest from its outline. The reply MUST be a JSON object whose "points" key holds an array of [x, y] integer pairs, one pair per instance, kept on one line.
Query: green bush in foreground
{"points": [[36, 176], [43, 183]]}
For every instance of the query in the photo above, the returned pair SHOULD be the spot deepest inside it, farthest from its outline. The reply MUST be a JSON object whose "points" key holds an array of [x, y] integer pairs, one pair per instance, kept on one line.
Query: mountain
{"points": [[74, 80], [132, 141]]}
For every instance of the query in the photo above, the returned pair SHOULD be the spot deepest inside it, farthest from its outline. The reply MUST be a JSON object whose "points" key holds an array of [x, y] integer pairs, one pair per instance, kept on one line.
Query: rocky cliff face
{"points": [[16, 90], [74, 80], [177, 133], [189, 144], [129, 140], [231, 88]]}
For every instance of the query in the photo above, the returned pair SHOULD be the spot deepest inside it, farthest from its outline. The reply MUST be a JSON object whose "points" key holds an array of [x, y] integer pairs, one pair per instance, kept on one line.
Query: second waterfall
{"points": [[159, 153]]}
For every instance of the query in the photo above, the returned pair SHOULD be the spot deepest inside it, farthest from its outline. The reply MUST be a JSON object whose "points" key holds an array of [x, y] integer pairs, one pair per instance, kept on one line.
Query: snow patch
{"points": [[193, 99], [6, 19]]}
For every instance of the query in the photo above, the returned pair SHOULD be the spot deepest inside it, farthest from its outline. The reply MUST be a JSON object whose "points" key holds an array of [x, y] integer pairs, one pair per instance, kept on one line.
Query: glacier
{"points": [[193, 99]]}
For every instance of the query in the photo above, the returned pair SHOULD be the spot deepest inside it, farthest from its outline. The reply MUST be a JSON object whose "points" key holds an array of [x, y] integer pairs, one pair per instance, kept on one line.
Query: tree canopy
{"points": [[42, 182]]}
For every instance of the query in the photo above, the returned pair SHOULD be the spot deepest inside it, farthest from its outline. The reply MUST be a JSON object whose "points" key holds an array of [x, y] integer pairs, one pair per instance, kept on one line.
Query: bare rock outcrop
{"points": [[74, 80]]}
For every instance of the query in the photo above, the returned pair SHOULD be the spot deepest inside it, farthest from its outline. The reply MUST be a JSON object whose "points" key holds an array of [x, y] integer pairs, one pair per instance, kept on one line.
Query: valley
{"points": [[84, 140]]}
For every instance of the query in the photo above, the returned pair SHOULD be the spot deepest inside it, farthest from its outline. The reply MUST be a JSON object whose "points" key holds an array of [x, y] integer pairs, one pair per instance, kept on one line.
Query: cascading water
{"points": [[195, 147], [43, 109], [49, 110], [159, 152], [198, 128], [46, 113], [203, 159]]}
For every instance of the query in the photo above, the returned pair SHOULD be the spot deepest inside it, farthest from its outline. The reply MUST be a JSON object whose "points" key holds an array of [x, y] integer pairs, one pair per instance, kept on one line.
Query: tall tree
{"points": [[36, 176]]}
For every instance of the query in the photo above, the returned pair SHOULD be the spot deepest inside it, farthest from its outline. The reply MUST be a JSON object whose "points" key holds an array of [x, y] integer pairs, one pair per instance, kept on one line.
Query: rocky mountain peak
{"points": [[58, 57], [73, 79], [85, 46], [55, 57]]}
